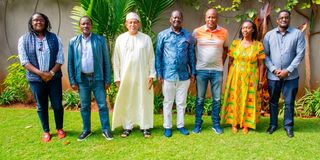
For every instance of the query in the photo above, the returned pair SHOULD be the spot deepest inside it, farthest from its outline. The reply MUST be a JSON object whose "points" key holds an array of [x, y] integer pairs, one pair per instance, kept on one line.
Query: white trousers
{"points": [[174, 91]]}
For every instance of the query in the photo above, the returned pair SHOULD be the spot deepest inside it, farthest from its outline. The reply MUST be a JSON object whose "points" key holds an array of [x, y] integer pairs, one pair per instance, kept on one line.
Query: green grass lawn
{"points": [[21, 134]]}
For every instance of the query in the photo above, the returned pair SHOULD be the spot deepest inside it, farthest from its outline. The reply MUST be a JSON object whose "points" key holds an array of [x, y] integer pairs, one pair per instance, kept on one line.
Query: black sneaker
{"points": [[107, 135], [84, 135]]}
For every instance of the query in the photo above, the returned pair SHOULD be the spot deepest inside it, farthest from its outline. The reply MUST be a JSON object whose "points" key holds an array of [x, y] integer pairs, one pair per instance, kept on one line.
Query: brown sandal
{"points": [[125, 133]]}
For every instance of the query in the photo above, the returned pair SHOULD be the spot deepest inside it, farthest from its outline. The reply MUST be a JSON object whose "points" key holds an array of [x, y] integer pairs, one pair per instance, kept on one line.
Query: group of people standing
{"points": [[181, 58]]}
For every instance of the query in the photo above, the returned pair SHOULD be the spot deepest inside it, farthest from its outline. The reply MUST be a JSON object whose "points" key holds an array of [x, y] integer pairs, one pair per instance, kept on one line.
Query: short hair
{"points": [[47, 24], [255, 32], [86, 17], [284, 10], [213, 9], [177, 11]]}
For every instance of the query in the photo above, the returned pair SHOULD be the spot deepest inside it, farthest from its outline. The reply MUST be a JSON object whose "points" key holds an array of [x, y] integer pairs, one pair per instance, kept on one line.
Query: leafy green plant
{"points": [[112, 94], [281, 106], [71, 99], [16, 86], [158, 103], [191, 104], [310, 103], [207, 106]]}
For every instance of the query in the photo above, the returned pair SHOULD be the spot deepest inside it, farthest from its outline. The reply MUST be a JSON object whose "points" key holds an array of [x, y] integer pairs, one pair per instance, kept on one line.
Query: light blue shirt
{"points": [[87, 55], [284, 51], [42, 52], [175, 59]]}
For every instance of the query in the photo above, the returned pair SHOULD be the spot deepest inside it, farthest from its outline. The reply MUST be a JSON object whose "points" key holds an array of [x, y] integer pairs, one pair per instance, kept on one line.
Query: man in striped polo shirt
{"points": [[211, 52]]}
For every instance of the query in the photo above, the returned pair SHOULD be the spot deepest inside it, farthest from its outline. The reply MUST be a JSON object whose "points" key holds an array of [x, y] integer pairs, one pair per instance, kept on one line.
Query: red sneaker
{"points": [[61, 133], [46, 137]]}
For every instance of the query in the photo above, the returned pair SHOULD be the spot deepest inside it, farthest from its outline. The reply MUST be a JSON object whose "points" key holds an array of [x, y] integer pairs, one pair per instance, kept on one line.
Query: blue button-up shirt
{"points": [[284, 51], [175, 59]]}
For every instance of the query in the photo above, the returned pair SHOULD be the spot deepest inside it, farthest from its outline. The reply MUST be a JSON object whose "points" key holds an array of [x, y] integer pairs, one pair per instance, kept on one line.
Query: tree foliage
{"points": [[109, 15]]}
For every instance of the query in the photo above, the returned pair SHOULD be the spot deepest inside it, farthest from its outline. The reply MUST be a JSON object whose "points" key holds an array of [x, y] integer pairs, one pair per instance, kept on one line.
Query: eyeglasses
{"points": [[38, 20], [40, 46]]}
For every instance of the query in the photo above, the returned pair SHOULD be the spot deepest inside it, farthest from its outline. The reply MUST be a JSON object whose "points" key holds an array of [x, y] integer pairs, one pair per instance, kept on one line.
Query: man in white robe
{"points": [[134, 71]]}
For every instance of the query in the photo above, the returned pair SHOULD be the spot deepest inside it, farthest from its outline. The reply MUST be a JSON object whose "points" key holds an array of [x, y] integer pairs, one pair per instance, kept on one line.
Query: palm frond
{"points": [[150, 10]]}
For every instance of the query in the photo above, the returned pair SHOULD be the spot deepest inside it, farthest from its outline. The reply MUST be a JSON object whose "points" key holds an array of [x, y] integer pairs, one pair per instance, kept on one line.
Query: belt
{"points": [[87, 74]]}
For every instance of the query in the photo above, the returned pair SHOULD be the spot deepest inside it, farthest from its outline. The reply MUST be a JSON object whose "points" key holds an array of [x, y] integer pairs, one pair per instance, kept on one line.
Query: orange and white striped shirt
{"points": [[209, 47]]}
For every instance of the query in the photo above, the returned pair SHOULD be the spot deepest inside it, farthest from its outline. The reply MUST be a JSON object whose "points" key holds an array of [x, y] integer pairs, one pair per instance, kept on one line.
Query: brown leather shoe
{"points": [[234, 129]]}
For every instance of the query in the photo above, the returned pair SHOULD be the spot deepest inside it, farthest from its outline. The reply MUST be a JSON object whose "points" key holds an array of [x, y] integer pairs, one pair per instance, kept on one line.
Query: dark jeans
{"points": [[289, 90], [215, 79], [87, 86], [41, 91]]}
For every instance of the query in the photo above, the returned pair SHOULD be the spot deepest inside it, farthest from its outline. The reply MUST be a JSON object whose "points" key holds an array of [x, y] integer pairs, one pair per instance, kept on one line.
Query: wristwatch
{"points": [[52, 73]]}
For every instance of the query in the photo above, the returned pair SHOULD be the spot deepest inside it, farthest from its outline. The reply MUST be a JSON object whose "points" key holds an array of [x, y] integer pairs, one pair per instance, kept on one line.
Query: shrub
{"points": [[158, 103], [112, 94], [310, 103], [71, 99], [207, 106], [191, 104], [16, 88]]}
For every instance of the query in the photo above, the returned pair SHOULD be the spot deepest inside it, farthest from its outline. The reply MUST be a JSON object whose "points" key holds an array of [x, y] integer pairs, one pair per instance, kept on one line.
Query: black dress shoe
{"points": [[289, 132], [271, 129]]}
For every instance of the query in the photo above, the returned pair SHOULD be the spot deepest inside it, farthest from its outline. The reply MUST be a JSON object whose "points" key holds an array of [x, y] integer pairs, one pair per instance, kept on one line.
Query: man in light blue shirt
{"points": [[175, 66], [284, 47]]}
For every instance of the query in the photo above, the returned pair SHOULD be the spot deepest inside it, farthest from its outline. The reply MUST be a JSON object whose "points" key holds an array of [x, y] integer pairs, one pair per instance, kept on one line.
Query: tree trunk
{"points": [[307, 58]]}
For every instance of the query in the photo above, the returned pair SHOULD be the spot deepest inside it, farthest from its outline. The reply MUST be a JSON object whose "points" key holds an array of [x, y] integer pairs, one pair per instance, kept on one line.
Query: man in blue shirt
{"points": [[175, 66], [284, 47], [89, 71]]}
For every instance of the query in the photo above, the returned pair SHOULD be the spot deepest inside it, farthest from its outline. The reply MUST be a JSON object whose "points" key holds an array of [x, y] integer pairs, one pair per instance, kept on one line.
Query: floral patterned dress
{"points": [[242, 101]]}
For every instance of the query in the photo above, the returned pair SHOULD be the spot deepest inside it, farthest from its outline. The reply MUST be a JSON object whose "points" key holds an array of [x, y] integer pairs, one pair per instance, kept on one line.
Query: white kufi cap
{"points": [[132, 15]]}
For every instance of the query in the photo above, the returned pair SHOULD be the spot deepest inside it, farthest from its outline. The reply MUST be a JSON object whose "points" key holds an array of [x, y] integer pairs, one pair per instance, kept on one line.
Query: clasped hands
{"points": [[46, 76], [281, 73]]}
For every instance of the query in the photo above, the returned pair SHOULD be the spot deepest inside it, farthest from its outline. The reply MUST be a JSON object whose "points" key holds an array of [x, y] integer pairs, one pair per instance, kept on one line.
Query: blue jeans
{"points": [[215, 78], [41, 91], [87, 85], [289, 90]]}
